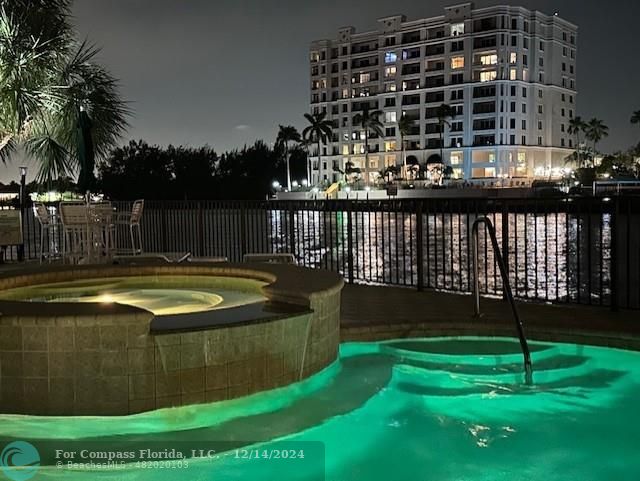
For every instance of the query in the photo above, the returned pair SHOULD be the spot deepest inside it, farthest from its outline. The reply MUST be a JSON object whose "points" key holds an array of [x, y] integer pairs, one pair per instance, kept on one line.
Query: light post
{"points": [[23, 200]]}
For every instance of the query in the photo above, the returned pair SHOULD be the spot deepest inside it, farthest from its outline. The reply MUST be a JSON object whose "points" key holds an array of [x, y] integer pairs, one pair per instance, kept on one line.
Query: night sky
{"points": [[227, 72]]}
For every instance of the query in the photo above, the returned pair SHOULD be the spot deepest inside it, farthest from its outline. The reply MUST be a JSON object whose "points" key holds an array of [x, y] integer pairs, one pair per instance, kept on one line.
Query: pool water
{"points": [[440, 409], [161, 295]]}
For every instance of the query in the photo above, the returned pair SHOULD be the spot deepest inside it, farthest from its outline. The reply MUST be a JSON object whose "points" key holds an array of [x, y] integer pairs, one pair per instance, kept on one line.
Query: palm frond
{"points": [[52, 155]]}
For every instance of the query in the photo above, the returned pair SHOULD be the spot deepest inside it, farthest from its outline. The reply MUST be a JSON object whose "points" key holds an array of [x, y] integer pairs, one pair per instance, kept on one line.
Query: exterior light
{"points": [[305, 183], [367, 188], [275, 184], [314, 190], [607, 199], [23, 171], [347, 189], [294, 184], [607, 175]]}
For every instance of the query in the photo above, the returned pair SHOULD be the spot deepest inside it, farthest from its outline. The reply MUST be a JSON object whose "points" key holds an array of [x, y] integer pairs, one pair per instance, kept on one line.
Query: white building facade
{"points": [[509, 74]]}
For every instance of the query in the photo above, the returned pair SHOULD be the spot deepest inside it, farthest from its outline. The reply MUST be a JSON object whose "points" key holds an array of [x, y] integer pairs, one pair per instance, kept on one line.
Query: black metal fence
{"points": [[583, 250]]}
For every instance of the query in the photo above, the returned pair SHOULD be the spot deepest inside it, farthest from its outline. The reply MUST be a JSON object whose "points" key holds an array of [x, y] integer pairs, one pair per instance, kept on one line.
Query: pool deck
{"points": [[371, 313]]}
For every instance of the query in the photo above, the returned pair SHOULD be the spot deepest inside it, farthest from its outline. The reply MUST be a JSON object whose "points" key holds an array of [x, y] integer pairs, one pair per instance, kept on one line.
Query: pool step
{"points": [[467, 352], [418, 381]]}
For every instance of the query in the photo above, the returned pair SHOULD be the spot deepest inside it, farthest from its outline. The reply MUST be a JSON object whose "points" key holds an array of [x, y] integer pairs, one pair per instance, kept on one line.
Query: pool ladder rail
{"points": [[528, 367]]}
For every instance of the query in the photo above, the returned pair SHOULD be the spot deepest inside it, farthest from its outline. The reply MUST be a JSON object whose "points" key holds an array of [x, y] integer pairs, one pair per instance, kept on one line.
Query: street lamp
{"points": [[23, 195]]}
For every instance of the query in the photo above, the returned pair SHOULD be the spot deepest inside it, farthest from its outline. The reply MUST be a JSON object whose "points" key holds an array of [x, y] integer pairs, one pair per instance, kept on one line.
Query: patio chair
{"points": [[132, 221], [44, 218], [103, 228], [75, 230]]}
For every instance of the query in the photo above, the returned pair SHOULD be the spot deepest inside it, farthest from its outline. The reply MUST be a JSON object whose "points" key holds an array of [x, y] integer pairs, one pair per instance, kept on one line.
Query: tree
{"points": [[369, 122], [596, 130], [577, 126], [286, 136], [46, 77], [445, 113], [319, 131], [305, 145], [404, 128]]}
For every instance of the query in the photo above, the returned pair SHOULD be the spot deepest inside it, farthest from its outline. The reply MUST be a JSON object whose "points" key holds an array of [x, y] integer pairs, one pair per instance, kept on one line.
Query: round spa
{"points": [[114, 340]]}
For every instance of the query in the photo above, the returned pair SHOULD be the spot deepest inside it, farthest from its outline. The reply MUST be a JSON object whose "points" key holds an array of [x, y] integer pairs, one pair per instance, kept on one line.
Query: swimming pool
{"points": [[429, 409]]}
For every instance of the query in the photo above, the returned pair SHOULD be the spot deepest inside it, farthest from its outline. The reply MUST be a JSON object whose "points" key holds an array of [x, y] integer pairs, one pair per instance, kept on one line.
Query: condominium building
{"points": [[508, 73]]}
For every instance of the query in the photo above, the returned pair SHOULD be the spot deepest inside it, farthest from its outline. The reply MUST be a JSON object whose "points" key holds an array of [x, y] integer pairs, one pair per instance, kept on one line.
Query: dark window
{"points": [[411, 37], [457, 78], [484, 124], [457, 46], [482, 91], [432, 97], [484, 107]]}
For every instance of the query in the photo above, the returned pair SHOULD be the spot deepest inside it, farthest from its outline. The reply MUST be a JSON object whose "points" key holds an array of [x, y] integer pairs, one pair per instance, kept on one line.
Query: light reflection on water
{"points": [[553, 257]]}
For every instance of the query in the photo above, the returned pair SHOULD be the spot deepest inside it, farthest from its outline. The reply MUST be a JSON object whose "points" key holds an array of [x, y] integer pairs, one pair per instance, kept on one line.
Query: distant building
{"points": [[9, 192], [509, 73]]}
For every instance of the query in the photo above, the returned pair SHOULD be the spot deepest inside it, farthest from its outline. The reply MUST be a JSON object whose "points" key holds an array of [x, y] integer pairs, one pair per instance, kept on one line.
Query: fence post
{"points": [[349, 242], [200, 230], [614, 255], [419, 248], [505, 244], [292, 228], [243, 231]]}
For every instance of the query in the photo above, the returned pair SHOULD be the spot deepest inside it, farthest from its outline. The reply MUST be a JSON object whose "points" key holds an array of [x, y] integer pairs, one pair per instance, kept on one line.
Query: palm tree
{"points": [[596, 130], [369, 122], [404, 128], [305, 144], [577, 126], [46, 79], [319, 131], [287, 135], [445, 113], [635, 118]]}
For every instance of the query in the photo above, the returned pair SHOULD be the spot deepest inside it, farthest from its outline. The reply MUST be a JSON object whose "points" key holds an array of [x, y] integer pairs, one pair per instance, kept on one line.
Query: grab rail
{"points": [[528, 368]]}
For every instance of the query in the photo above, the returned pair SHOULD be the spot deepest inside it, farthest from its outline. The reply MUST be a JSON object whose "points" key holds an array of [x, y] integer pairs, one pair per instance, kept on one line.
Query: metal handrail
{"points": [[528, 368]]}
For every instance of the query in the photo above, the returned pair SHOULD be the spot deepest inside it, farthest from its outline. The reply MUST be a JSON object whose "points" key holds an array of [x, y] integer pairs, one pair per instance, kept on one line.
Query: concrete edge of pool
{"points": [[105, 359], [372, 313]]}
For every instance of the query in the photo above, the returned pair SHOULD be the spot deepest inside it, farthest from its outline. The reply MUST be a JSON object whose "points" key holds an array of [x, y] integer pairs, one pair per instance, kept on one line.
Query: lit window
{"points": [[489, 59], [390, 57], [457, 62], [390, 117], [513, 57], [513, 74], [390, 87], [345, 150], [488, 76], [390, 146], [456, 158], [365, 77], [457, 29], [389, 71], [314, 56]]}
